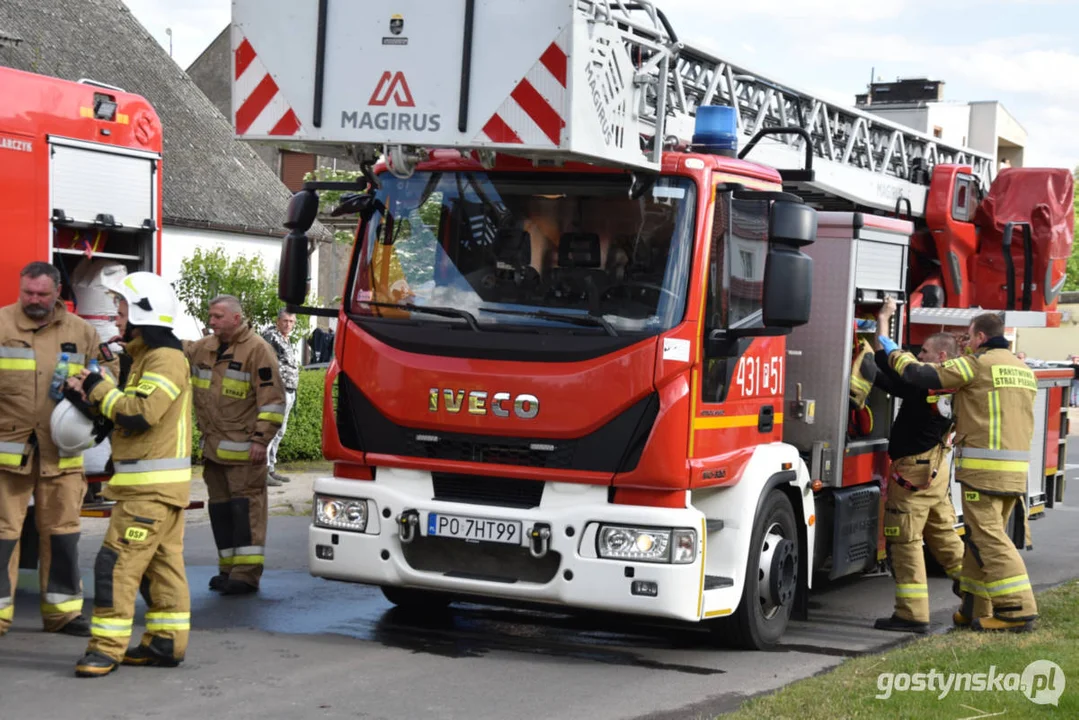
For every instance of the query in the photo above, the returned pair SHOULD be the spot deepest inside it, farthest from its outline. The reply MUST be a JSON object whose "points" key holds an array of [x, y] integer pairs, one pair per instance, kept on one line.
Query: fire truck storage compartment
{"points": [[102, 202], [858, 260]]}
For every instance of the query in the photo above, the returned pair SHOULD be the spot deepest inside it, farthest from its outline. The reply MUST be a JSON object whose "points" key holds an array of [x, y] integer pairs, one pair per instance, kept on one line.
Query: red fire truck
{"points": [[80, 173], [592, 353]]}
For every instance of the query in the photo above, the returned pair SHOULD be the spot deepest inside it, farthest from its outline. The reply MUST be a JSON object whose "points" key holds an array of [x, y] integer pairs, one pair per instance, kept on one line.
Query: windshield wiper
{"points": [[590, 320], [430, 310]]}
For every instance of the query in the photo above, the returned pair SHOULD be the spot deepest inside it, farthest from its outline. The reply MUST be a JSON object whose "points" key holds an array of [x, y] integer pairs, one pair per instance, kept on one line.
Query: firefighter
{"points": [[994, 407], [34, 332], [151, 483], [918, 502], [240, 404]]}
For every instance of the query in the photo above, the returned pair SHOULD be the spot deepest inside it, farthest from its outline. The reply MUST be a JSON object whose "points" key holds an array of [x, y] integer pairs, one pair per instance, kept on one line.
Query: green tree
{"points": [[1071, 283], [208, 273]]}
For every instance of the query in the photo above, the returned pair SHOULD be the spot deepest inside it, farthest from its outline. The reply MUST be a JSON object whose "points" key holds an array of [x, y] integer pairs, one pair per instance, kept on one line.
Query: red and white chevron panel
{"points": [[262, 109], [534, 113]]}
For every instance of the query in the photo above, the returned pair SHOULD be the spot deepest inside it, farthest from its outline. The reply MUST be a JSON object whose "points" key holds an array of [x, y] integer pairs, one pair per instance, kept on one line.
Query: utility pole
{"points": [[168, 31]]}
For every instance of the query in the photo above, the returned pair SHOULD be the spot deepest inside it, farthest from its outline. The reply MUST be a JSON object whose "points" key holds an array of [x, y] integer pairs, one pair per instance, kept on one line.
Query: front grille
{"points": [[491, 562], [504, 492], [475, 448]]}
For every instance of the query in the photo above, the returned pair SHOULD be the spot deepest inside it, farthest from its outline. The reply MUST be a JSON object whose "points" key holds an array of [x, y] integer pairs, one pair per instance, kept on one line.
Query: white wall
{"points": [[914, 118], [954, 121], [179, 243]]}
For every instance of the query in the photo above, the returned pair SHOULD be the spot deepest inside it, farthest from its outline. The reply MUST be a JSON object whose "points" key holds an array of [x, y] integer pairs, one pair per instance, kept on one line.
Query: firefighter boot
{"points": [[159, 652], [898, 624], [993, 624], [218, 581], [95, 664]]}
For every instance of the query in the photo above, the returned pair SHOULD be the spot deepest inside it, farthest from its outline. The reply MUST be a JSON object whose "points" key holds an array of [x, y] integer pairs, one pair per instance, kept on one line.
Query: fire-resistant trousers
{"points": [[143, 550], [994, 578], [913, 515], [57, 506], [238, 515]]}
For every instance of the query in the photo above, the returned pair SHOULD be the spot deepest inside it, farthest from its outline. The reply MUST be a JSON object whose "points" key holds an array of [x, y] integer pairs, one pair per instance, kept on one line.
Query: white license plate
{"points": [[471, 528]]}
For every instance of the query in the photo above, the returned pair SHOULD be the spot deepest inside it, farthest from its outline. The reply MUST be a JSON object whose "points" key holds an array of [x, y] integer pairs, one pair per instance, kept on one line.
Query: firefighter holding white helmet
{"points": [[35, 333], [151, 483]]}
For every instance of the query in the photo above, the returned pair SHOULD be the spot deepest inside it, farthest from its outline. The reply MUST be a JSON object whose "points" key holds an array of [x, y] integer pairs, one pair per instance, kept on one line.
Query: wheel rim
{"points": [[777, 572]]}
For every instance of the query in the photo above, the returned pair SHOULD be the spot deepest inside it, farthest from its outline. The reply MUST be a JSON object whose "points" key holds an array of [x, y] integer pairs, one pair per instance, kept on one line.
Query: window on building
{"points": [[938, 131], [294, 166]]}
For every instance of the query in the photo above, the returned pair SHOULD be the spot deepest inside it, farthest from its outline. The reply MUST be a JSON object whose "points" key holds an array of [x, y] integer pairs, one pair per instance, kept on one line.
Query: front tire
{"points": [[771, 577]]}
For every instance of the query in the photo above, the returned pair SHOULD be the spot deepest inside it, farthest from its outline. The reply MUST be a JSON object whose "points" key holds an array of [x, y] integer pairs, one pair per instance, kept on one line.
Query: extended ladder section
{"points": [[551, 80]]}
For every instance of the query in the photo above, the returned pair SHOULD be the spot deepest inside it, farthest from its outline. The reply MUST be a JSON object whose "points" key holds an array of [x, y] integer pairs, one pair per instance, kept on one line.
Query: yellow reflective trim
{"points": [[64, 607], [162, 382], [102, 632], [18, 364], [731, 421], [176, 625], [74, 369], [7, 613], [982, 464], [242, 560], [234, 454], [235, 388], [962, 366], [901, 362], [272, 417], [994, 420], [108, 404], [10, 460], [201, 383], [66, 463], [168, 616], [1007, 581], [1014, 377], [151, 477], [165, 318]]}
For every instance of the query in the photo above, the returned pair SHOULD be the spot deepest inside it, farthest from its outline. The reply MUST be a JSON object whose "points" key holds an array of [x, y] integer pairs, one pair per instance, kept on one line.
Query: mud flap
{"points": [[854, 546]]}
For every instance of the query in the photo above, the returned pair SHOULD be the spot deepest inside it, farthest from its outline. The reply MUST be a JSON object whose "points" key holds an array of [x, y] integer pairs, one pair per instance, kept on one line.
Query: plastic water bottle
{"points": [[59, 377], [94, 367]]}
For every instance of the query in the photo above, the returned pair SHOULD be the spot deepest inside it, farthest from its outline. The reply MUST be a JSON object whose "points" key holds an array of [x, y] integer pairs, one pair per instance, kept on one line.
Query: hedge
{"points": [[303, 437]]}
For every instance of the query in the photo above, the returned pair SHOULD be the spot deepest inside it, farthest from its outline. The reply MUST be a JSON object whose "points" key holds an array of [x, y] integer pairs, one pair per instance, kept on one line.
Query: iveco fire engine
{"points": [[591, 352]]}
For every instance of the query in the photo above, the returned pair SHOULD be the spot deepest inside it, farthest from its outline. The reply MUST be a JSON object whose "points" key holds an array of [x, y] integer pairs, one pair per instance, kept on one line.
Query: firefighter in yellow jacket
{"points": [[34, 333], [240, 404], [994, 407], [151, 484]]}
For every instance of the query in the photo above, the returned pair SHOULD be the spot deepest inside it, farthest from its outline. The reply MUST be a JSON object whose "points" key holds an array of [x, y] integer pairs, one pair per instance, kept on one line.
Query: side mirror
{"points": [[788, 272], [788, 288], [793, 224], [302, 211], [293, 269]]}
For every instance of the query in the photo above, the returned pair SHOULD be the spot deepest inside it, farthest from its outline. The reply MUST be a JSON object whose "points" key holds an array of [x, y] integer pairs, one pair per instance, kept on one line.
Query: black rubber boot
{"points": [[94, 664], [898, 624], [218, 582], [238, 587], [79, 627], [157, 654]]}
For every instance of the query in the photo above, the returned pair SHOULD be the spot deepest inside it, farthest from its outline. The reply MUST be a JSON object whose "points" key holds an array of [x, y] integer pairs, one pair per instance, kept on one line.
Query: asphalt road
{"points": [[310, 648]]}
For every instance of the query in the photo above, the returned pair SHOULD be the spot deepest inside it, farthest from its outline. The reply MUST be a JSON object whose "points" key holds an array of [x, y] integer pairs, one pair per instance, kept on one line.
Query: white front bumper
{"points": [[582, 579]]}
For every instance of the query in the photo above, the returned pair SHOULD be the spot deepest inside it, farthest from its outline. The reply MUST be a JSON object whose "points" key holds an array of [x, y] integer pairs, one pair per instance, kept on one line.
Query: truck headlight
{"points": [[340, 513], [659, 545]]}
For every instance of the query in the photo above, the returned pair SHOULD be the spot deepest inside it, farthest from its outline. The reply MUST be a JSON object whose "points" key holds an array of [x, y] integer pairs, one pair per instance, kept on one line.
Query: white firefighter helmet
{"points": [[150, 300], [72, 431]]}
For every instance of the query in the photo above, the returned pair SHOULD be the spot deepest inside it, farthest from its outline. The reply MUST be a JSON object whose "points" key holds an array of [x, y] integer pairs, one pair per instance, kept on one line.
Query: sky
{"points": [[1023, 53]]}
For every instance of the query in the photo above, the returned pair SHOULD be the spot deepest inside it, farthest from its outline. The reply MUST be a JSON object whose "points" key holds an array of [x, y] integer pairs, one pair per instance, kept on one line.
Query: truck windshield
{"points": [[516, 251]]}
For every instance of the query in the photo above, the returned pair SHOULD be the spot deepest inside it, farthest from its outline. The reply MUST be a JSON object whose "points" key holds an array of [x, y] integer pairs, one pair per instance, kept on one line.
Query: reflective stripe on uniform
{"points": [[151, 472], [987, 454], [968, 463], [162, 382], [11, 454], [963, 367], [201, 378], [247, 555], [108, 403], [228, 450], [110, 627], [994, 420], [61, 603], [69, 463], [168, 621], [182, 433], [911, 590], [236, 383], [75, 363], [7, 607], [901, 362], [17, 359], [272, 413], [1007, 586]]}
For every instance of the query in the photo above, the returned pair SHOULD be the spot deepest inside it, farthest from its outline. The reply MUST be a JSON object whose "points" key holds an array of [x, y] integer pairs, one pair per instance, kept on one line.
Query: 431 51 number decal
{"points": [[756, 376]]}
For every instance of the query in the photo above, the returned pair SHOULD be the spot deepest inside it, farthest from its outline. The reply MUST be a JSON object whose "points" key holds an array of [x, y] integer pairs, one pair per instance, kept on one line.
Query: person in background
{"points": [[278, 337]]}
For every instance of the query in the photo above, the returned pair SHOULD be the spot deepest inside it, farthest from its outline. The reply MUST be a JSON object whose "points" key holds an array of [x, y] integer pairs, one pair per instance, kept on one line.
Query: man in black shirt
{"points": [[918, 503]]}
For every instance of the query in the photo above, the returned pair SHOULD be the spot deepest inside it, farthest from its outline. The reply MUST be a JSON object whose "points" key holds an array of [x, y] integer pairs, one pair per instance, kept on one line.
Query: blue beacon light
{"points": [[716, 130]]}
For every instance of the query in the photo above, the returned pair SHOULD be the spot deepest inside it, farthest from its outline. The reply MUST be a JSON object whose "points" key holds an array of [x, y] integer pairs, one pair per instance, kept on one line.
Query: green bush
{"points": [[303, 437]]}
